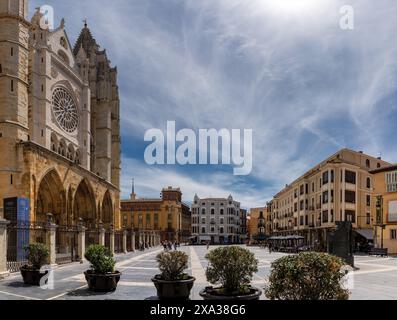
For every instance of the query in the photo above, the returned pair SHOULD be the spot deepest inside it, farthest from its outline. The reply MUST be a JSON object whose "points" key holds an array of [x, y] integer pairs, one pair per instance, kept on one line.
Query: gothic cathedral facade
{"points": [[59, 124]]}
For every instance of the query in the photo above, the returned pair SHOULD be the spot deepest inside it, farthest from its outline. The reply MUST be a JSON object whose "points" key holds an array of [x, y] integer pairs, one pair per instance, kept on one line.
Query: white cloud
{"points": [[304, 86]]}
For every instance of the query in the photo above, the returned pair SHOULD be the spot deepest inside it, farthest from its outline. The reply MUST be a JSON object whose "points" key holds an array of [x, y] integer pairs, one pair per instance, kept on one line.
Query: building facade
{"points": [[338, 189], [167, 216], [384, 208], [59, 123], [216, 220], [257, 224], [243, 225]]}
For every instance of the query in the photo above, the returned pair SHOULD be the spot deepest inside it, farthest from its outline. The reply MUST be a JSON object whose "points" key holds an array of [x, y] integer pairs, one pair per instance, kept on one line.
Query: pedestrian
{"points": [[208, 245], [165, 246]]}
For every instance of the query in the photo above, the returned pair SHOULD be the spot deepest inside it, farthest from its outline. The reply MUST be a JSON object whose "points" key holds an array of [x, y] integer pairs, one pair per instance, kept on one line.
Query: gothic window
{"points": [[77, 158], [62, 148], [65, 110], [70, 154], [63, 42]]}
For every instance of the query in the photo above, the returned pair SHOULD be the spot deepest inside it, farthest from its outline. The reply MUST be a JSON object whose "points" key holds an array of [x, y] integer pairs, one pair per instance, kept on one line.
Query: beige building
{"points": [[338, 189], [384, 208], [59, 124], [167, 216]]}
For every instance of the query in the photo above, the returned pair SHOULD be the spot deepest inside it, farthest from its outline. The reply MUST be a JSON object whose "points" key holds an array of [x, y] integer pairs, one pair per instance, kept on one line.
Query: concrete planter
{"points": [[211, 293], [32, 277], [102, 282], [173, 290]]}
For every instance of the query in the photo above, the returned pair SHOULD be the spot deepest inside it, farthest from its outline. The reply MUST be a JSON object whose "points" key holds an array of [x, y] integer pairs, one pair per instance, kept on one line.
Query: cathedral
{"points": [[59, 124]]}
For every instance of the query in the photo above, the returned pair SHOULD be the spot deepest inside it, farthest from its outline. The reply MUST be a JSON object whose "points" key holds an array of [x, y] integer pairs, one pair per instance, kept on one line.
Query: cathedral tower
{"points": [[14, 57], [105, 108]]}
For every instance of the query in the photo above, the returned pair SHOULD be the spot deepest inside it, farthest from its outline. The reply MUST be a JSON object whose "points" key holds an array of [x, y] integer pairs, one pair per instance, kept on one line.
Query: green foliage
{"points": [[307, 276], [172, 264], [37, 255], [233, 267], [101, 259]]}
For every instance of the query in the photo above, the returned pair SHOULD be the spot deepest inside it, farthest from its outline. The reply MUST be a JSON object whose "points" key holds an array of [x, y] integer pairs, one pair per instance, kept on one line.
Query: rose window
{"points": [[65, 110]]}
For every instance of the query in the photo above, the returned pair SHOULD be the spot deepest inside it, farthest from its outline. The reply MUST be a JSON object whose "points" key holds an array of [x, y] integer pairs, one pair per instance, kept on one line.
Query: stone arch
{"points": [[70, 153], [107, 209], [54, 142], [62, 148], [77, 158], [51, 198], [69, 208], [84, 204]]}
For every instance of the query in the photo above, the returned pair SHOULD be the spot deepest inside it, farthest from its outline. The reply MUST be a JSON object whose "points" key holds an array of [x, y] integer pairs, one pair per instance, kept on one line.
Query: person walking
{"points": [[208, 245]]}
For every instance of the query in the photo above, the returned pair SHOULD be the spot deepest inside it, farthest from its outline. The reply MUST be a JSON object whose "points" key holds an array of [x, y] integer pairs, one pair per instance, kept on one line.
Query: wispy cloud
{"points": [[305, 87]]}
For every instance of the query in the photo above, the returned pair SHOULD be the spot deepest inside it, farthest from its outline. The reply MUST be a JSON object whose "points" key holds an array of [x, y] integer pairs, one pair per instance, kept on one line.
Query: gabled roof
{"points": [[85, 40]]}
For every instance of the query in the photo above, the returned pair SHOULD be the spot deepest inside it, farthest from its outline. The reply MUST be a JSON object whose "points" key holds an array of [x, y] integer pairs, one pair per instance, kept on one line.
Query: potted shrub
{"points": [[307, 276], [37, 255], [173, 283], [101, 277], [233, 268]]}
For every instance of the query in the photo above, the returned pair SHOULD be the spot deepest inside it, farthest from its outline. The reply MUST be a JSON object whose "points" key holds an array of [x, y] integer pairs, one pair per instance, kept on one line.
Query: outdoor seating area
{"points": [[288, 244]]}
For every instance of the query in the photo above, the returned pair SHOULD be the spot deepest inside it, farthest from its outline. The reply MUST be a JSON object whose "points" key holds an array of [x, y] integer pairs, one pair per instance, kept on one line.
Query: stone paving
{"points": [[375, 279]]}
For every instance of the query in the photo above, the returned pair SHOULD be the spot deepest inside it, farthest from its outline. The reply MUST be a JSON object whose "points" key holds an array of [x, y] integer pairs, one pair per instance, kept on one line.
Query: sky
{"points": [[283, 68]]}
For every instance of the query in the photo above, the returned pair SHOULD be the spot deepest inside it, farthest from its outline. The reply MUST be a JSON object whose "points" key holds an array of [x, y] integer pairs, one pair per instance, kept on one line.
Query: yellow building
{"points": [[338, 189], [384, 208], [257, 224], [167, 216]]}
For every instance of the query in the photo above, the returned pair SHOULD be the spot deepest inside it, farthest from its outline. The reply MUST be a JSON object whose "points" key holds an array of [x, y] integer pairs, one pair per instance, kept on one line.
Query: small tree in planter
{"points": [[307, 276], [101, 277], [233, 268], [37, 255], [173, 283]]}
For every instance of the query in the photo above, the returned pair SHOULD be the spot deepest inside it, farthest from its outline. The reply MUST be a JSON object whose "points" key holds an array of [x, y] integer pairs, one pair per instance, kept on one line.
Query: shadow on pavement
{"points": [[19, 284], [87, 293]]}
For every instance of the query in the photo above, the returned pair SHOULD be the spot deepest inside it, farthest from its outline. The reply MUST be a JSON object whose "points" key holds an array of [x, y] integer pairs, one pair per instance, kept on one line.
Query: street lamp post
{"points": [[379, 217]]}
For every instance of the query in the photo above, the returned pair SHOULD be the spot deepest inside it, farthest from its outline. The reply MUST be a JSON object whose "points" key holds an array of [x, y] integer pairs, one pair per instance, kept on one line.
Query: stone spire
{"points": [[85, 40]]}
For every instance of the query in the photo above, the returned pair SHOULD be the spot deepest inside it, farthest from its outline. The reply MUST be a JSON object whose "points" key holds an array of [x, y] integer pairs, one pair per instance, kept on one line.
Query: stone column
{"points": [[125, 232], [3, 248], [81, 242], [132, 241], [51, 241], [102, 236], [148, 239], [112, 240]]}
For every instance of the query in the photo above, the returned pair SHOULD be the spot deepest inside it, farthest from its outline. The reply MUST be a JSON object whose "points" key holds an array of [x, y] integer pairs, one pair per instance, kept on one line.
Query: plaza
{"points": [[375, 279]]}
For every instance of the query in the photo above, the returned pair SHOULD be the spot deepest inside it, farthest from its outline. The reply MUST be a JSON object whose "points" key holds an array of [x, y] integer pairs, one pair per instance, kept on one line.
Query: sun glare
{"points": [[293, 6]]}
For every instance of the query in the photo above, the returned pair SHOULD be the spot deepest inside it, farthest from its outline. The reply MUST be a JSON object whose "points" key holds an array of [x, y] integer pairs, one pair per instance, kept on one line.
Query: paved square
{"points": [[376, 278]]}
